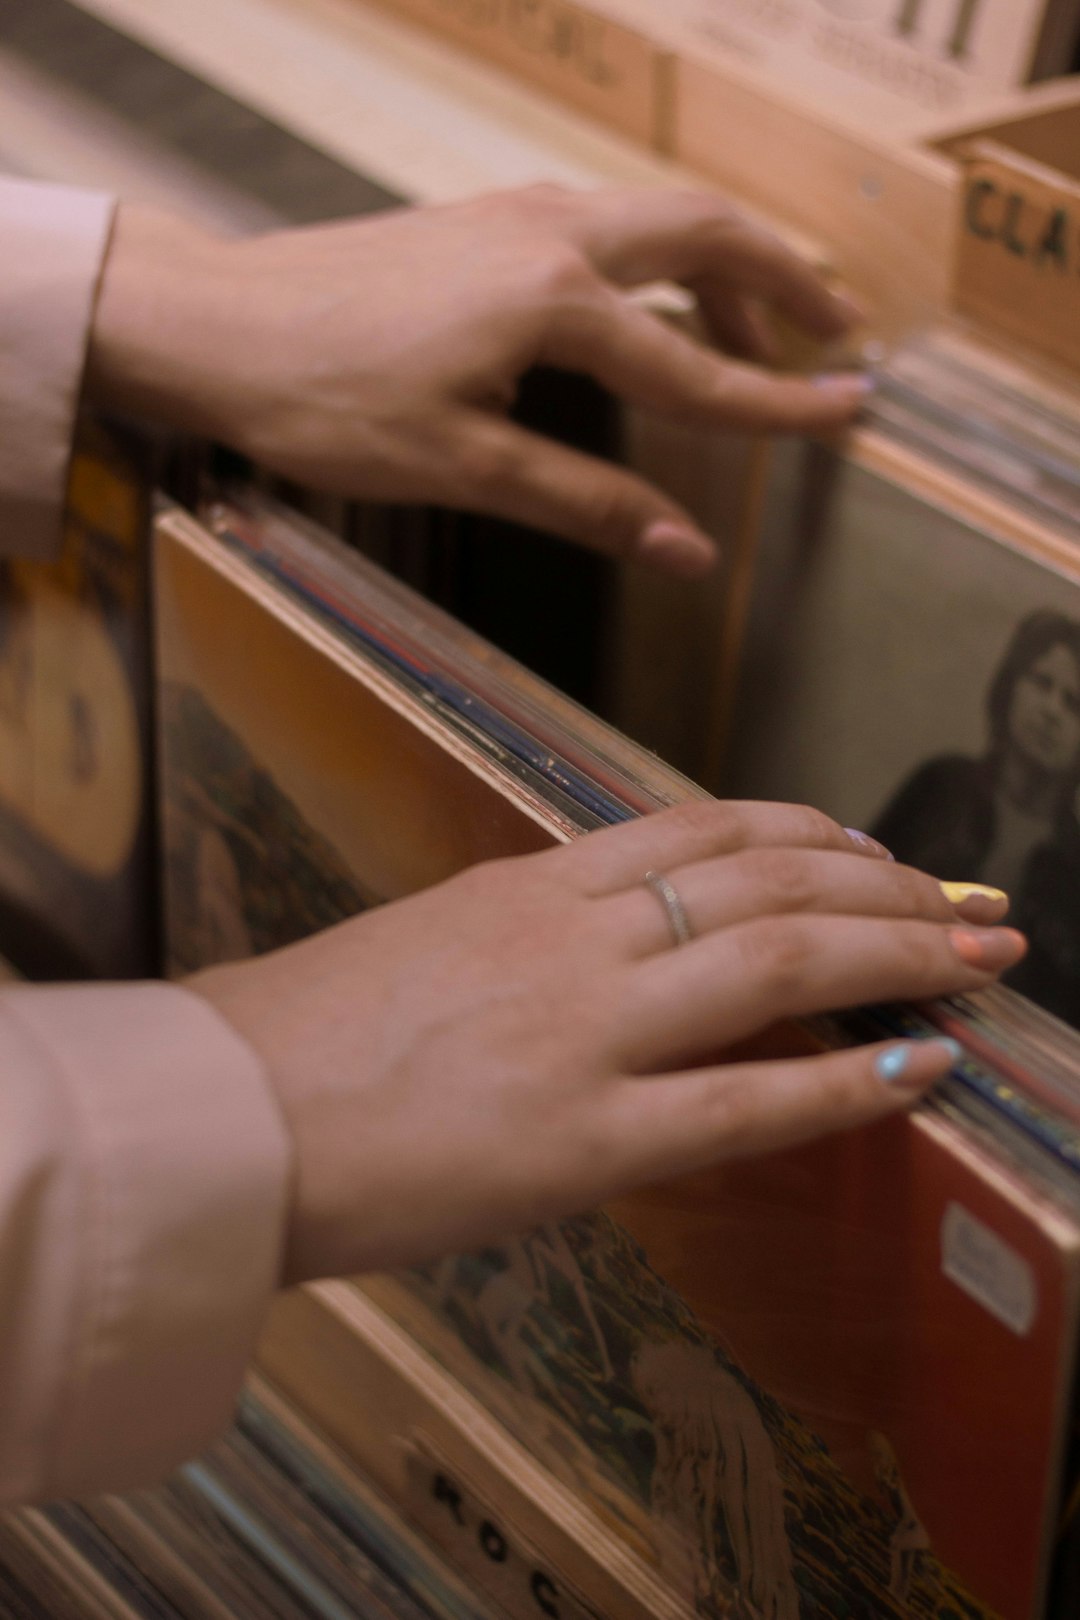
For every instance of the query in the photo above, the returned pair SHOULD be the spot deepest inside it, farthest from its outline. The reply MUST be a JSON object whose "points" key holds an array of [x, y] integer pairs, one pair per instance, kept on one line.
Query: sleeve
{"points": [[52, 246], [144, 1175]]}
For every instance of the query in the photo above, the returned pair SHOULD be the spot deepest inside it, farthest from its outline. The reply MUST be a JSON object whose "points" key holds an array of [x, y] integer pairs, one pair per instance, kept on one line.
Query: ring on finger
{"points": [[671, 900]]}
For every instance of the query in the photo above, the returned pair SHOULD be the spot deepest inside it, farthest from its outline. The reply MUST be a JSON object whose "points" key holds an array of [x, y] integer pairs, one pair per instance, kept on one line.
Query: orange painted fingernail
{"points": [[990, 949]]}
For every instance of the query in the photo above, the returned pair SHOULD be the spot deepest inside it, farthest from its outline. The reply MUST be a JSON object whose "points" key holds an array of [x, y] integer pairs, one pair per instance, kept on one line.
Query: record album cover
{"points": [[926, 687], [76, 878]]}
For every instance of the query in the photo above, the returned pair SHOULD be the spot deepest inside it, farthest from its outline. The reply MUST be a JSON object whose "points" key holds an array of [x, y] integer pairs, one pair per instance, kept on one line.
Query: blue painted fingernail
{"points": [[893, 1063]]}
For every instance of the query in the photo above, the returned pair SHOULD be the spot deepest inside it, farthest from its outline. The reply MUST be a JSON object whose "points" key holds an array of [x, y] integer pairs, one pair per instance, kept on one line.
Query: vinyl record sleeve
{"points": [[76, 877], [896, 698]]}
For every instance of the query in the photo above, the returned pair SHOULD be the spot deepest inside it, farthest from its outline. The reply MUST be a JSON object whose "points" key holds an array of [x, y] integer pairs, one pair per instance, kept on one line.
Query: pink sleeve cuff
{"points": [[52, 247], [152, 1209]]}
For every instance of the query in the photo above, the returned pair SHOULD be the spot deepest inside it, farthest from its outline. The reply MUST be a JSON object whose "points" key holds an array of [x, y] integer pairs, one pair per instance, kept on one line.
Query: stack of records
{"points": [[837, 1380], [272, 1524], [983, 415]]}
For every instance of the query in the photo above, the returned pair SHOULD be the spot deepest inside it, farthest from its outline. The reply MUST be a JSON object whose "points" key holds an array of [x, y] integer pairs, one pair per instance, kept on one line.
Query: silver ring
{"points": [[668, 896]]}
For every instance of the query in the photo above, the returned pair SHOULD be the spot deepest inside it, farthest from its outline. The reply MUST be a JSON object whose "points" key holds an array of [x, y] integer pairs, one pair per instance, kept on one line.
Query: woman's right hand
{"points": [[525, 1040]]}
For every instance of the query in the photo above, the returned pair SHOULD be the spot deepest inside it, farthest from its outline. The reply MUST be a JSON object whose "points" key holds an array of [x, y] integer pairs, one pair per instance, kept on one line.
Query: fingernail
{"points": [[990, 949], [853, 385], [917, 1063], [893, 1063], [870, 845], [678, 549], [957, 893]]}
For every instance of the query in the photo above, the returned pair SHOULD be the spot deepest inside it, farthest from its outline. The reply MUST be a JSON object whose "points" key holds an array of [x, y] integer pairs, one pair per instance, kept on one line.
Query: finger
{"points": [[782, 880], [675, 1124], [647, 361], [739, 326], [687, 236], [618, 858], [515, 474], [731, 984]]}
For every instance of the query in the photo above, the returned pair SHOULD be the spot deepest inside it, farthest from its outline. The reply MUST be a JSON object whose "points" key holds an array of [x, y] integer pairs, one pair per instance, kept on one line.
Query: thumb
{"points": [[513, 473]]}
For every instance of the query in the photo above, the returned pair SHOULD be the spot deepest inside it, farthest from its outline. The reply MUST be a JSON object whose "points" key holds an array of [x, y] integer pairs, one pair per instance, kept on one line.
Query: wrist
{"points": [[165, 305]]}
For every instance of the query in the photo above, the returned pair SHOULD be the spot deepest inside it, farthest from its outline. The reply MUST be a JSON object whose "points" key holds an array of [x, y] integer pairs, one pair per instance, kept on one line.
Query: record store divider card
{"points": [[837, 1381], [1018, 253]]}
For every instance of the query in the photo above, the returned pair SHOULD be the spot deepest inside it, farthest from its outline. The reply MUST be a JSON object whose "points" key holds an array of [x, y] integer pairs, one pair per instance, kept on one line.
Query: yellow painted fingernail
{"points": [[957, 893]]}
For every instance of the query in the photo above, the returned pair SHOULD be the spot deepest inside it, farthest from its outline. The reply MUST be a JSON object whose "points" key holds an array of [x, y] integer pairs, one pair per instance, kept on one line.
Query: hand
{"points": [[524, 1041], [377, 359]]}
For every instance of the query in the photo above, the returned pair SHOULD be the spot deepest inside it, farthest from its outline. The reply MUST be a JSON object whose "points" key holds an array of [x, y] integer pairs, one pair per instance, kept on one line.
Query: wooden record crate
{"points": [[886, 210]]}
